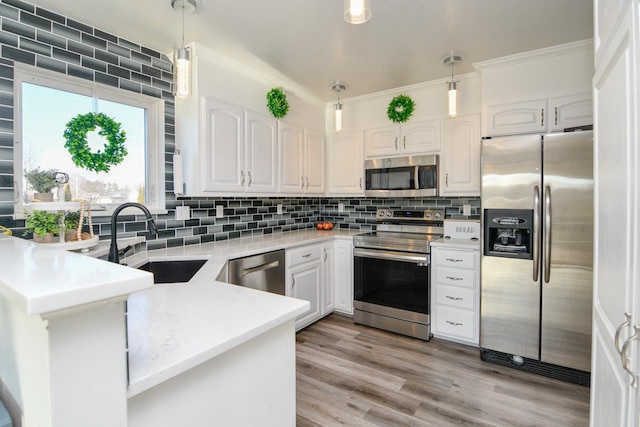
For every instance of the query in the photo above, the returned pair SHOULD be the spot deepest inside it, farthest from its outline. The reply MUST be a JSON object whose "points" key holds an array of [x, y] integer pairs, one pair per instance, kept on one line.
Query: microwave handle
{"points": [[416, 173]]}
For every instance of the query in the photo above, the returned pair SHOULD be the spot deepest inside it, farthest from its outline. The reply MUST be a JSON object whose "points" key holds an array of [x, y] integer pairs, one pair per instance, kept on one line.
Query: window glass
{"points": [[45, 113]]}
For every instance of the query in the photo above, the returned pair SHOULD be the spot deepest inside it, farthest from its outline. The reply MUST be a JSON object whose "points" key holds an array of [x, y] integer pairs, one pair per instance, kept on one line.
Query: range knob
{"points": [[438, 215], [428, 215], [389, 213], [381, 213]]}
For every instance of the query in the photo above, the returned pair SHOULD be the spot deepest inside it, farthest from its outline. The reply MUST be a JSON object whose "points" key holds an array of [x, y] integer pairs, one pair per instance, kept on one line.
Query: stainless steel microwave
{"points": [[413, 176]]}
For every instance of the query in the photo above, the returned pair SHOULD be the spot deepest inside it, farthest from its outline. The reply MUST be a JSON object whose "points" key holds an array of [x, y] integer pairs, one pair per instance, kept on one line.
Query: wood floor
{"points": [[353, 375]]}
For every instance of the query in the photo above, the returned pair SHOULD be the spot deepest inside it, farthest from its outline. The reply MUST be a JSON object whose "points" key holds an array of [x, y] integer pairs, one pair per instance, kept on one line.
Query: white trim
{"points": [[155, 108], [536, 55]]}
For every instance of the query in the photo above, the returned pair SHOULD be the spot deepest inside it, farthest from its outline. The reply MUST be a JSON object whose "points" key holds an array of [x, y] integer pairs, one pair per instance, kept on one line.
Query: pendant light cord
{"points": [[183, 7]]}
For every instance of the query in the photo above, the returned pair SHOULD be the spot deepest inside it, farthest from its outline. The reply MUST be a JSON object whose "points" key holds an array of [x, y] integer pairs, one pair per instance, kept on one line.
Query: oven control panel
{"points": [[425, 215]]}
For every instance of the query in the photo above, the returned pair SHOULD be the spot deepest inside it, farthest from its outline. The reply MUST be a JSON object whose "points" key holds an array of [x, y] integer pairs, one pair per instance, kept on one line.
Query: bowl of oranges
{"points": [[324, 225]]}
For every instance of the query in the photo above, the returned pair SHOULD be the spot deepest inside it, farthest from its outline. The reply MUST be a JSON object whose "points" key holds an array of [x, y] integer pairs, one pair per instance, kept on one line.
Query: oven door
{"points": [[391, 279]]}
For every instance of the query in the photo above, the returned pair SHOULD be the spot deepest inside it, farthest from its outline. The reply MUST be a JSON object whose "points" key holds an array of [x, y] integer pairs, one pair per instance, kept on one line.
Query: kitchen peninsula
{"points": [[199, 349]]}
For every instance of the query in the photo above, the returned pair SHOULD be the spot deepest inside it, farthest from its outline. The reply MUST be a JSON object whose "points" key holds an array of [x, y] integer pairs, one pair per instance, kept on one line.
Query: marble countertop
{"points": [[456, 243], [40, 279], [174, 327]]}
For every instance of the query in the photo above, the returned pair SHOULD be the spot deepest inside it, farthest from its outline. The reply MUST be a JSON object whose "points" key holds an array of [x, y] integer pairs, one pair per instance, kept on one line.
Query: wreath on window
{"points": [[76, 143], [400, 109], [277, 102]]}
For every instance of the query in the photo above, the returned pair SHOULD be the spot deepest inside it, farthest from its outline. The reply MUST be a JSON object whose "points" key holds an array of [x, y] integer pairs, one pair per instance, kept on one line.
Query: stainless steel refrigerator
{"points": [[536, 270]]}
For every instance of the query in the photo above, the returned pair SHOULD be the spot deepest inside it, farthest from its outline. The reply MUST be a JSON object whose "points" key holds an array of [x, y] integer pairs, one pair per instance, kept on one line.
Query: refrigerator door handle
{"points": [[546, 260], [536, 233]]}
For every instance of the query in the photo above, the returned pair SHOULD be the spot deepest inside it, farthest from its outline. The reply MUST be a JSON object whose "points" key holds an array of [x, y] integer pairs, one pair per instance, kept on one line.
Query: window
{"points": [[45, 102]]}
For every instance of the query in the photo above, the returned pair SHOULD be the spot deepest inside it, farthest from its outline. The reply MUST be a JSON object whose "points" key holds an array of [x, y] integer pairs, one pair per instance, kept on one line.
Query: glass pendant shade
{"points": [[338, 117], [357, 11], [183, 73], [452, 101]]}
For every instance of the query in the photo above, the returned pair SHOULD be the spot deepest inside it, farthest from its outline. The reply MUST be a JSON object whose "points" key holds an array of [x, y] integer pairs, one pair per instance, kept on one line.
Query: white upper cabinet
{"points": [[404, 139], [240, 149], [540, 115], [460, 160], [345, 158], [223, 145], [301, 160], [518, 117], [570, 111], [261, 148]]}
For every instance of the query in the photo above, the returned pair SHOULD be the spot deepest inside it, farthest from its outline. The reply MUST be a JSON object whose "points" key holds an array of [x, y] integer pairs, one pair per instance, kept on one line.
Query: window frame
{"points": [[155, 107]]}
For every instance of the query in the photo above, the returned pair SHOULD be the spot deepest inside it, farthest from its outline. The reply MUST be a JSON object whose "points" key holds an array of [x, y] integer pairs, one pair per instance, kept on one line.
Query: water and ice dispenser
{"points": [[508, 233]]}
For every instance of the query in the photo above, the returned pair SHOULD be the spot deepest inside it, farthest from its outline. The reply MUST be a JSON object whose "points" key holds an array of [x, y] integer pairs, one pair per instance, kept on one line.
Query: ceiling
{"points": [[309, 42]]}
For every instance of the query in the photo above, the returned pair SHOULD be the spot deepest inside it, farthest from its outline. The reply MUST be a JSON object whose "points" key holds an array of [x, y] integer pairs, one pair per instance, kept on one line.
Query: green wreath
{"points": [[400, 109], [76, 142], [277, 103]]}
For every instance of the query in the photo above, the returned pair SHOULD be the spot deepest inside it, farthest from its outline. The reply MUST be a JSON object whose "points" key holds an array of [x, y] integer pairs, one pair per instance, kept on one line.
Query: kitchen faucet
{"points": [[114, 255]]}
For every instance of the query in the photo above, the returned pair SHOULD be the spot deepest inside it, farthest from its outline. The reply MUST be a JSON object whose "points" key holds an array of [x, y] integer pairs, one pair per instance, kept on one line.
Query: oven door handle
{"points": [[419, 259]]}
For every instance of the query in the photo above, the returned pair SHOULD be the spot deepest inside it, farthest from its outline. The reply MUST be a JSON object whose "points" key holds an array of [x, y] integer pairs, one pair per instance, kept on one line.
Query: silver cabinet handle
{"points": [[446, 179], [453, 259], [307, 183], [625, 359], [325, 254], [622, 326], [306, 255], [453, 298], [453, 278], [454, 323], [293, 281], [542, 117], [242, 176], [546, 260], [396, 142], [302, 182], [404, 142], [556, 116], [250, 179], [361, 183], [536, 233]]}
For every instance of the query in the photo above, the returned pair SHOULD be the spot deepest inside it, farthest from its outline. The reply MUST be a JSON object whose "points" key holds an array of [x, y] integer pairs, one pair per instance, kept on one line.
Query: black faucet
{"points": [[114, 255]]}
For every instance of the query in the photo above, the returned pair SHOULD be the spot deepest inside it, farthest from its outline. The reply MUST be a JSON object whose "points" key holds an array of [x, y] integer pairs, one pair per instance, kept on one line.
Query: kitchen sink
{"points": [[173, 271]]}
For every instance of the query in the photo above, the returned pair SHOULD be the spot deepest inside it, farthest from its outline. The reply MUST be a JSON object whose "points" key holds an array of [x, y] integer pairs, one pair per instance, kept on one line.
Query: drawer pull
{"points": [[454, 323], [454, 298], [307, 255], [454, 278], [454, 259]]}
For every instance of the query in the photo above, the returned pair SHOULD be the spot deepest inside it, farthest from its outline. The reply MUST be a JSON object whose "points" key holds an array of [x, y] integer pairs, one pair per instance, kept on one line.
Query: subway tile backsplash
{"points": [[31, 35]]}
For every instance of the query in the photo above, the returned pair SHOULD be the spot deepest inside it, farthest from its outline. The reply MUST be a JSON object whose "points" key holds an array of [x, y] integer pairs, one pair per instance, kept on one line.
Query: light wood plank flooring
{"points": [[353, 375]]}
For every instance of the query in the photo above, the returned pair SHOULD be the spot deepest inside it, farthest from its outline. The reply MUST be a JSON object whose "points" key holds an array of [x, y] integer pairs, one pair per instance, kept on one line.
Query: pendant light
{"points": [[338, 87], [452, 92], [357, 11], [182, 75]]}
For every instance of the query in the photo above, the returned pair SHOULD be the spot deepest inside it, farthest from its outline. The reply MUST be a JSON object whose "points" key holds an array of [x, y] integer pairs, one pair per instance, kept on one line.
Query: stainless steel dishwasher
{"points": [[264, 272]]}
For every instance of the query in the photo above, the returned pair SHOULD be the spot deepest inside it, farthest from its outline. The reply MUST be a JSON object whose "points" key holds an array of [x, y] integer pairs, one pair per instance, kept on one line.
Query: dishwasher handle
{"points": [[261, 267]]}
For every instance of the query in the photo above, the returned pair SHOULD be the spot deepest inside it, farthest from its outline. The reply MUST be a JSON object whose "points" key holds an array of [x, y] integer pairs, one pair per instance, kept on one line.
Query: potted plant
{"points": [[42, 181], [44, 225], [71, 220]]}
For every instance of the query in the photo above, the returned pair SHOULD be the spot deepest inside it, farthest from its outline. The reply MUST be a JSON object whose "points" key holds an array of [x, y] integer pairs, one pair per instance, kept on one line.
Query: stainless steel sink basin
{"points": [[173, 271]]}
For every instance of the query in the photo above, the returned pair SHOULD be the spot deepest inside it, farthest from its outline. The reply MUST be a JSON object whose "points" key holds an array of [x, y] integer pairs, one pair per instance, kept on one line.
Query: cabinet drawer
{"points": [[456, 277], [456, 297], [456, 323], [455, 258], [304, 254]]}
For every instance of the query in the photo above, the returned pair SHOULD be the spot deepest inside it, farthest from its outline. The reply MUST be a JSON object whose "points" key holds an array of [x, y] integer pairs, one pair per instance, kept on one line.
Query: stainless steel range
{"points": [[392, 271]]}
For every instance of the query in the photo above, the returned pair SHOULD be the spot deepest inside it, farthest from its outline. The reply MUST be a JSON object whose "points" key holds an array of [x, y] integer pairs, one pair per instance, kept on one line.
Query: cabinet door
{"points": [[291, 147], [420, 137], [314, 162], [327, 292], [570, 111], [304, 282], [345, 158], [223, 145], [460, 162], [382, 141], [343, 279], [616, 230], [516, 118], [260, 173]]}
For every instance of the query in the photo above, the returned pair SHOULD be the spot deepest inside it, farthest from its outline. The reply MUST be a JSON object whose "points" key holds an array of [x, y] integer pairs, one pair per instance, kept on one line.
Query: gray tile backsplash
{"points": [[45, 39]]}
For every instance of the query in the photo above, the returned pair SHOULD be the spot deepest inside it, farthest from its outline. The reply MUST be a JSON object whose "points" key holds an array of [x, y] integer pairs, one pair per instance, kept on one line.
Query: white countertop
{"points": [[174, 327], [40, 279]]}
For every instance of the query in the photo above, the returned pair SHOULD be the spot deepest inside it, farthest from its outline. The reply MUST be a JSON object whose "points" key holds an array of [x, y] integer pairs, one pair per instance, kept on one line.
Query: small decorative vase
{"points": [[47, 238]]}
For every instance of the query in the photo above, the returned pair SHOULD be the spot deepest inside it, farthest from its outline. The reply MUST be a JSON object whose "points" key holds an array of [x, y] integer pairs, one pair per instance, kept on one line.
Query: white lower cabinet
{"points": [[343, 276], [304, 273], [327, 286], [455, 296]]}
